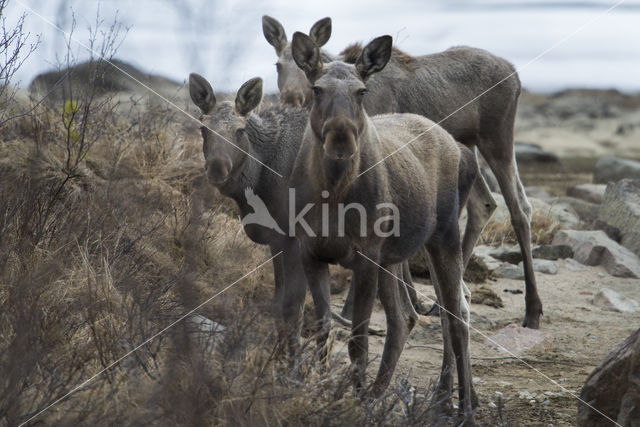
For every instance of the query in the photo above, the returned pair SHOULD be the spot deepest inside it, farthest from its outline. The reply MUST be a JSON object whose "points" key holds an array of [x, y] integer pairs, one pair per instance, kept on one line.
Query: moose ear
{"points": [[274, 33], [374, 56], [307, 55], [201, 93], [321, 31], [249, 96]]}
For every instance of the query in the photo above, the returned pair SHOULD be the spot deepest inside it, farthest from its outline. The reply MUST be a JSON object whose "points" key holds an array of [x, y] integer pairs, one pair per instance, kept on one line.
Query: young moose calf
{"points": [[385, 214]]}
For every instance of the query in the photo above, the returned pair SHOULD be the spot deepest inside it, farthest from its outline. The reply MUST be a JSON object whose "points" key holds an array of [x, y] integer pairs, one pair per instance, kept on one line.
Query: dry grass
{"points": [[543, 228], [103, 243]]}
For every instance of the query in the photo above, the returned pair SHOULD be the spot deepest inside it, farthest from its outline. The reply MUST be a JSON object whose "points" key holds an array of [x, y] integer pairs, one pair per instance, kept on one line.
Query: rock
{"points": [[561, 213], [477, 270], [592, 193], [613, 388], [611, 231], [585, 211], [507, 253], [509, 271], [574, 265], [486, 296], [483, 252], [613, 169], [204, 331], [533, 153], [537, 193], [340, 279], [552, 252], [621, 209], [526, 395], [543, 266], [610, 300], [517, 339], [596, 248]]}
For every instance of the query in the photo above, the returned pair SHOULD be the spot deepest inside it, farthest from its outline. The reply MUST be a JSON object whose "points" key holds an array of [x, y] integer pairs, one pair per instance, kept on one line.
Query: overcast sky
{"points": [[222, 39]]}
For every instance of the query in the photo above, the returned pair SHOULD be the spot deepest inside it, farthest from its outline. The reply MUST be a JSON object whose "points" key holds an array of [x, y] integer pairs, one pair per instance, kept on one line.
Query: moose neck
{"points": [[274, 140]]}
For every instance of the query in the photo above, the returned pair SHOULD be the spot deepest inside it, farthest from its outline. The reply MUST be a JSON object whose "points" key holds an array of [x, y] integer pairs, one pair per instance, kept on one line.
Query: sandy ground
{"points": [[583, 335]]}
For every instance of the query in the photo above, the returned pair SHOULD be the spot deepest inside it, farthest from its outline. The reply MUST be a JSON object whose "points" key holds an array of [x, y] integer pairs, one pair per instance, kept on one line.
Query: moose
{"points": [[470, 92], [427, 183], [249, 157]]}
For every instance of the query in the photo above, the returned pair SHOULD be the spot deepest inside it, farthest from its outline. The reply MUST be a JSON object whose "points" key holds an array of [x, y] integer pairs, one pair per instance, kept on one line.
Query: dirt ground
{"points": [[582, 336]]}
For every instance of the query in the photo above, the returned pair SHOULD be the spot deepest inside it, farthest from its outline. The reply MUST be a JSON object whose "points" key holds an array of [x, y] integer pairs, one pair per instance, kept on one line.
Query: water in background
{"points": [[222, 39]]}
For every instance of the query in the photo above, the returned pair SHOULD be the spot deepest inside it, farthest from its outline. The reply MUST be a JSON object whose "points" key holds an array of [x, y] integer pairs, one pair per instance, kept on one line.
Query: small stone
{"points": [[574, 265], [204, 331], [552, 252], [526, 395], [507, 253], [499, 394], [477, 380], [610, 300], [543, 266], [492, 405], [553, 394], [509, 271], [546, 403]]}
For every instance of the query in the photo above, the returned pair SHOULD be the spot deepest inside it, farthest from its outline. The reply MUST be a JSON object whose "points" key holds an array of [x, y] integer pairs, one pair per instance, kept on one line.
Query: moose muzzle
{"points": [[340, 136]]}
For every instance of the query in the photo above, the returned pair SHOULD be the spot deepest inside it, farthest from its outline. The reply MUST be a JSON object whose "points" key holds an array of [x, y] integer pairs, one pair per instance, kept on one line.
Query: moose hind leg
{"points": [[506, 173], [347, 308], [407, 282]]}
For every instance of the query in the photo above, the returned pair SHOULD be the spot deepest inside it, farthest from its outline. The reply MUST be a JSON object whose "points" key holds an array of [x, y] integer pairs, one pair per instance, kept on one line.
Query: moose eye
{"points": [[362, 92], [278, 67], [317, 91]]}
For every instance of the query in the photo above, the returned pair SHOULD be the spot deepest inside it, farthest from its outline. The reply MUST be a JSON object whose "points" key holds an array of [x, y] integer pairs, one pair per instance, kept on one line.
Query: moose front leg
{"points": [[292, 293], [401, 317], [317, 274], [365, 284]]}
